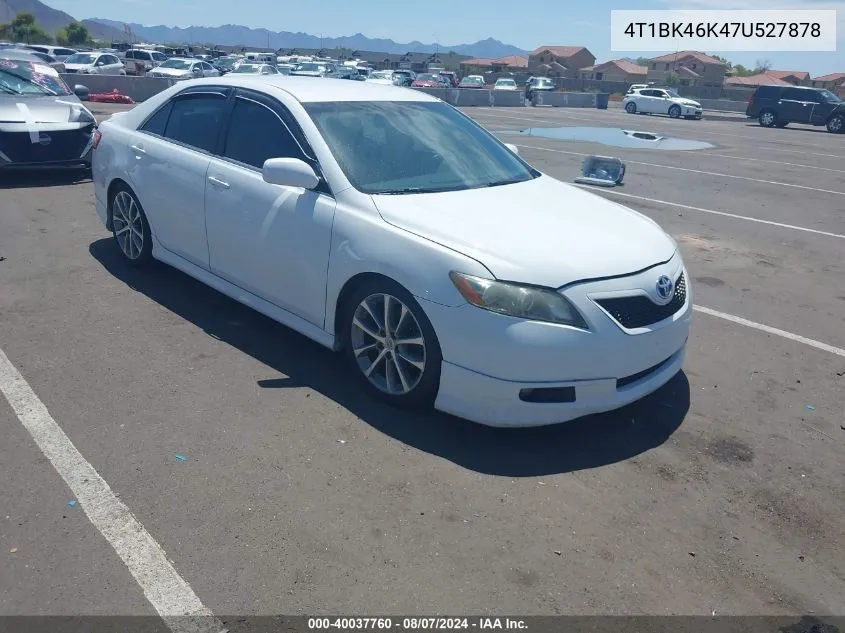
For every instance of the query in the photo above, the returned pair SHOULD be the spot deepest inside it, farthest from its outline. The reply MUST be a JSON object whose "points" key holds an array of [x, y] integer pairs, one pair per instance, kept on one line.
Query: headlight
{"points": [[80, 114], [517, 300]]}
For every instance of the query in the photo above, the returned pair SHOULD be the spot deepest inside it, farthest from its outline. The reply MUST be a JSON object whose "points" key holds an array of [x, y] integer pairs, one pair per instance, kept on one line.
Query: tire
{"points": [[836, 124], [768, 118], [675, 111], [631, 107], [403, 375], [130, 228]]}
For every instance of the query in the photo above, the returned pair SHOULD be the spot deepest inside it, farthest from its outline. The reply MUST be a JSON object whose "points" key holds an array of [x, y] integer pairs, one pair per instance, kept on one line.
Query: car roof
{"points": [[311, 90], [19, 54]]}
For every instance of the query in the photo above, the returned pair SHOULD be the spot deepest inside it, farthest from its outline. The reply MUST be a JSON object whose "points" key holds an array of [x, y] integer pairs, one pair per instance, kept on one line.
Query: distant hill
{"points": [[50, 19], [234, 35]]}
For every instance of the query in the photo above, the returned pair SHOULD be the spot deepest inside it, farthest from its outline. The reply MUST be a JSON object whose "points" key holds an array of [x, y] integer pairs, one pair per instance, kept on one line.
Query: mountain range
{"points": [[52, 20]]}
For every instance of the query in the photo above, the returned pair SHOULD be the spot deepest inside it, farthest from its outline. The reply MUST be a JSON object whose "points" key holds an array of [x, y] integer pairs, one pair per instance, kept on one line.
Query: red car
{"points": [[430, 80]]}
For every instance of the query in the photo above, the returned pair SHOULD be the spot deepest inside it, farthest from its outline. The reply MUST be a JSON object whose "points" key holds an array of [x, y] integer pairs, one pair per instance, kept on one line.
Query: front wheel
{"points": [[768, 118], [836, 124], [675, 111], [130, 228], [390, 344], [631, 107]]}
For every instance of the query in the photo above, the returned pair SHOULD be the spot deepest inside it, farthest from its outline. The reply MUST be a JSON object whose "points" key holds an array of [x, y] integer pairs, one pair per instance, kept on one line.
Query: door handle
{"points": [[138, 149], [218, 183]]}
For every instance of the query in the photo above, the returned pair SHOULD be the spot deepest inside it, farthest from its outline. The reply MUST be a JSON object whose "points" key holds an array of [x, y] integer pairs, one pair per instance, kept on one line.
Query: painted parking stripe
{"points": [[696, 171], [792, 227], [771, 330], [170, 595]]}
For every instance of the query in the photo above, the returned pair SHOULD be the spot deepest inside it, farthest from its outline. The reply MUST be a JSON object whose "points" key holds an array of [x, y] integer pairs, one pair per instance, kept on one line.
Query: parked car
{"points": [[404, 77], [139, 61], [285, 69], [184, 68], [431, 80], [44, 58], [472, 81], [394, 215], [226, 64], [94, 64], [661, 101], [52, 129], [538, 84], [385, 77], [59, 53], [505, 83], [778, 106], [255, 69], [311, 69]]}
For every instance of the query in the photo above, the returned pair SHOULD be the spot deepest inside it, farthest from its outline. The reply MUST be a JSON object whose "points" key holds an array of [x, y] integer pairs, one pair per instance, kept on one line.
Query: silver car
{"points": [[42, 122]]}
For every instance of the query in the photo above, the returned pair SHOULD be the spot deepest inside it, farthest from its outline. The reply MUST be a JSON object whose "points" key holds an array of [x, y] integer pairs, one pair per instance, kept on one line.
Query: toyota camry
{"points": [[385, 224]]}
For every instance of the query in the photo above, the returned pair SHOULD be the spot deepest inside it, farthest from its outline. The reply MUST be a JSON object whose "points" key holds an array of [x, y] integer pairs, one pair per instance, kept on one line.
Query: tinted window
{"points": [[157, 122], [159, 57], [129, 55], [796, 94], [256, 133], [63, 51], [194, 120]]}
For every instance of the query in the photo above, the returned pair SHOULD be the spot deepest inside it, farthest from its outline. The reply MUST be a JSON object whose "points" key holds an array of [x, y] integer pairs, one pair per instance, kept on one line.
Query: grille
{"points": [[629, 380], [64, 146], [640, 311]]}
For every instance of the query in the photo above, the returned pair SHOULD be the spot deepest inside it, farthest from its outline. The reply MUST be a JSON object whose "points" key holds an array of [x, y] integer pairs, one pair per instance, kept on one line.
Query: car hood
{"points": [[687, 102], [542, 231], [19, 111], [78, 66], [171, 72]]}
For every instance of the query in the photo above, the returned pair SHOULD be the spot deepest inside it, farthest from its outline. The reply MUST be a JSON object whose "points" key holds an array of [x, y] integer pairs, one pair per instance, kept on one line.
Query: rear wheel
{"points": [[130, 228], [675, 111], [631, 107], [836, 124], [768, 118]]}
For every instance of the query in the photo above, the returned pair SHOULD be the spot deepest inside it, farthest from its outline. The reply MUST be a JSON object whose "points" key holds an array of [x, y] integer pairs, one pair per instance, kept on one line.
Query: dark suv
{"points": [[778, 106]]}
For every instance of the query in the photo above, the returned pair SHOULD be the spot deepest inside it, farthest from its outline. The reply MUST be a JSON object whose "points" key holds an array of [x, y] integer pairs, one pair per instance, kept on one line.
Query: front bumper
{"points": [[691, 111], [494, 366], [49, 148]]}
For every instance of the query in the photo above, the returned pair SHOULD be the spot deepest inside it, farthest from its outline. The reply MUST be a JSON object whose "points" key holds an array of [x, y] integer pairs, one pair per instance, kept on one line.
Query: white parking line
{"points": [[166, 590], [771, 330], [792, 227], [698, 131], [776, 162], [695, 171]]}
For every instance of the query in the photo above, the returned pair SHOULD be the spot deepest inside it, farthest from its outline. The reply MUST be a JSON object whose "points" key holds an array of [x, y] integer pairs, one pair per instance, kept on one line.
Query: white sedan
{"points": [[661, 101], [505, 83], [184, 68], [385, 223]]}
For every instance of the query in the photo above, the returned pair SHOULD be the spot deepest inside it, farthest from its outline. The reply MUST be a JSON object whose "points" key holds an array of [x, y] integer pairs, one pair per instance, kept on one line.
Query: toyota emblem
{"points": [[665, 288]]}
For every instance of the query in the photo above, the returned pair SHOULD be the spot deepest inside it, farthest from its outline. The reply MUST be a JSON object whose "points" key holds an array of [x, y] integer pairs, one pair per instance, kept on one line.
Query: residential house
{"points": [[752, 81], [692, 68], [794, 77], [480, 66], [619, 70], [559, 61], [830, 82]]}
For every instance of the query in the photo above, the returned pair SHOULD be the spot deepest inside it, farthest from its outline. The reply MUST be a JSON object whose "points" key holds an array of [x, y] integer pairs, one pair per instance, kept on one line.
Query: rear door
{"points": [[796, 105], [647, 100]]}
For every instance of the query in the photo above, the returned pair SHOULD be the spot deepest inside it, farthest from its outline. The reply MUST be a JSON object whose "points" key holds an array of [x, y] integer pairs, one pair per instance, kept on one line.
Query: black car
{"points": [[778, 106], [538, 84]]}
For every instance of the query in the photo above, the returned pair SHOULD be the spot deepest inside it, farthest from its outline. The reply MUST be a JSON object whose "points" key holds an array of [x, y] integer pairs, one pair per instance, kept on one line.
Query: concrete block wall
{"points": [[139, 88], [565, 99]]}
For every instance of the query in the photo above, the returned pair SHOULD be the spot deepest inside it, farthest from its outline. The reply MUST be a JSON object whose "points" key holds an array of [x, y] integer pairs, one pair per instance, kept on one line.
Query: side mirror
{"points": [[512, 148], [289, 172], [197, 70], [81, 92]]}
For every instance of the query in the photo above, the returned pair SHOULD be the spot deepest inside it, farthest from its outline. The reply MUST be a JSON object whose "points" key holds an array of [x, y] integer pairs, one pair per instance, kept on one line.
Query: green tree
{"points": [[672, 80], [74, 34], [24, 29], [644, 61]]}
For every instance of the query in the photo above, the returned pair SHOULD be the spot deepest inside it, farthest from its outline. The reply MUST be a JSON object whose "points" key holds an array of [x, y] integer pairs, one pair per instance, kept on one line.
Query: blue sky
{"points": [[528, 25]]}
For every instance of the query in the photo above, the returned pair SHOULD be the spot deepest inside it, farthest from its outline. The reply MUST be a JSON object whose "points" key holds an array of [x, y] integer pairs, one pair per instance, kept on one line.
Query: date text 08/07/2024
{"points": [[415, 623]]}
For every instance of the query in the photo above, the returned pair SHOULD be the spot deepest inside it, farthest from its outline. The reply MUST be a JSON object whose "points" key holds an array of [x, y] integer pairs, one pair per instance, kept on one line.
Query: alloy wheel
{"points": [[388, 344], [128, 225], [835, 124], [767, 119]]}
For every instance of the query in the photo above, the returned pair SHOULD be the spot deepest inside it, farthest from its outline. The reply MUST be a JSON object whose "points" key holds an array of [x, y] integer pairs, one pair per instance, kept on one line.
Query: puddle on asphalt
{"points": [[614, 137]]}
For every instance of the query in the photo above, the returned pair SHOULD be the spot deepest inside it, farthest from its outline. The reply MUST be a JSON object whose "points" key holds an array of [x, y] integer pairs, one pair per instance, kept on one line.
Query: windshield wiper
{"points": [[10, 90]]}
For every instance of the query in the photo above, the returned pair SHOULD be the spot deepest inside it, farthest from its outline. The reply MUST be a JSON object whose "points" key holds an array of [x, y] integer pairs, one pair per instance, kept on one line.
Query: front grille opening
{"points": [[629, 380], [640, 311], [548, 394]]}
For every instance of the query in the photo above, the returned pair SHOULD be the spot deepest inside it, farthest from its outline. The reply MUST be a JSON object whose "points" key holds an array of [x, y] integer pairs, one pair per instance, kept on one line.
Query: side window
{"points": [[195, 119], [157, 123], [256, 134], [794, 94], [130, 55], [206, 66]]}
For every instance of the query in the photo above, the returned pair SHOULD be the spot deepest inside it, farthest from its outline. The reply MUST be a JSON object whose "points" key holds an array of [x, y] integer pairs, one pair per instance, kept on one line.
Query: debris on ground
{"points": [[72, 503], [115, 96], [801, 558], [810, 407], [691, 554], [181, 458], [341, 441], [603, 171], [558, 552], [14, 550]]}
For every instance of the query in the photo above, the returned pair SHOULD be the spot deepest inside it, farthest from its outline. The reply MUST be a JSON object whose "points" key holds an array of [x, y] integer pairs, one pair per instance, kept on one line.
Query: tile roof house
{"points": [[559, 61], [830, 82], [501, 64], [620, 70], [761, 79], [693, 68], [794, 77]]}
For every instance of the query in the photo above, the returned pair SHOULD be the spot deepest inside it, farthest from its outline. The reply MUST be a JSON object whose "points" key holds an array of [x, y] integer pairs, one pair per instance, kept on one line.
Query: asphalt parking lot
{"points": [[721, 493]]}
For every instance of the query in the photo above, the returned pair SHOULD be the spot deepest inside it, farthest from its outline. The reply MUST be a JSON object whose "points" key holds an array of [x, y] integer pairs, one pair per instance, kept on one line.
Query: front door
{"points": [[270, 240], [173, 151], [824, 105], [796, 105]]}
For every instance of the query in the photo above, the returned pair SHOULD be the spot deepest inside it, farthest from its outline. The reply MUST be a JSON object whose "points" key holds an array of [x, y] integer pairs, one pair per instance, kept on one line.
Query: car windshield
{"points": [[177, 64], [388, 147], [829, 97], [81, 58], [226, 63], [543, 82], [506, 82], [29, 78], [382, 74], [310, 67], [246, 69]]}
